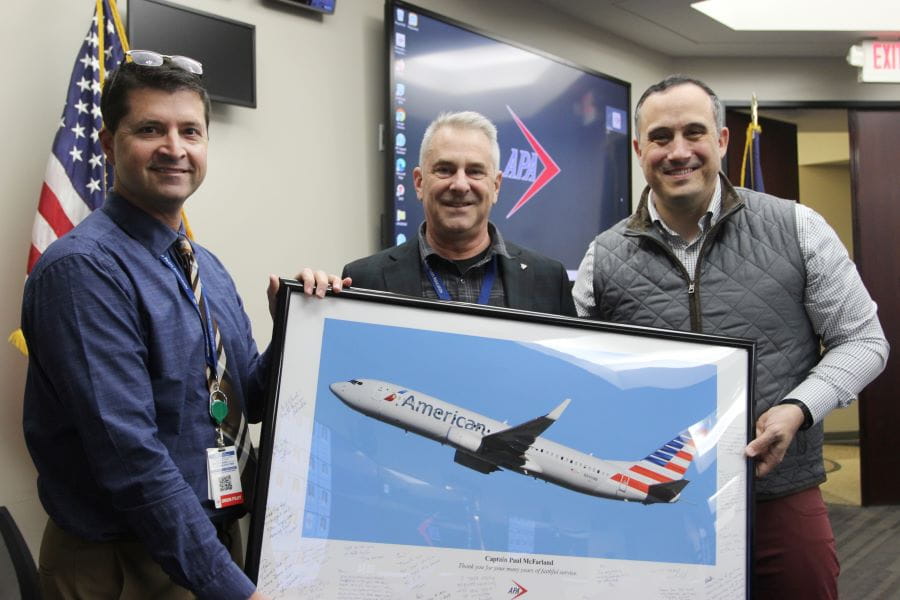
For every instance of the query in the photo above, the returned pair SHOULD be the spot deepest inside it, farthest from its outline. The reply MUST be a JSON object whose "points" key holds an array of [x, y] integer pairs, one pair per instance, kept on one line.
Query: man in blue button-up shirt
{"points": [[116, 402]]}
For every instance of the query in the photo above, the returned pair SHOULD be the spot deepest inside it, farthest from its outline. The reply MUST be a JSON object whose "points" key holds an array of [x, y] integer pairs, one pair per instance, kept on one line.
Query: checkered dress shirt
{"points": [[463, 285]]}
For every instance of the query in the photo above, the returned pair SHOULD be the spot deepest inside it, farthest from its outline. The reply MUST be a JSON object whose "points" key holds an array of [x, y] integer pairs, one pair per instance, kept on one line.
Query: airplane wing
{"points": [[507, 447]]}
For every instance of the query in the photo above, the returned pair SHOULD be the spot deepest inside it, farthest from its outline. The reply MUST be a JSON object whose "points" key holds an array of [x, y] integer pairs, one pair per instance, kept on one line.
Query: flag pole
{"points": [[754, 109]]}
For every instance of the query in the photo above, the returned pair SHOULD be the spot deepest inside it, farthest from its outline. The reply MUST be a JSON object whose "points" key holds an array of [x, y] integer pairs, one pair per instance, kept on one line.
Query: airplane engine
{"points": [[464, 439]]}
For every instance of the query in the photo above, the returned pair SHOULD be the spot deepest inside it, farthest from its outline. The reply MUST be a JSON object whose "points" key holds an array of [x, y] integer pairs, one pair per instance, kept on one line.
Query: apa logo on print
{"points": [[517, 590]]}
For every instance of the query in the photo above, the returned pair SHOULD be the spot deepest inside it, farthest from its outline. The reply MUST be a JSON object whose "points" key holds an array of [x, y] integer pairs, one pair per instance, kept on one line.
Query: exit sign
{"points": [[880, 61]]}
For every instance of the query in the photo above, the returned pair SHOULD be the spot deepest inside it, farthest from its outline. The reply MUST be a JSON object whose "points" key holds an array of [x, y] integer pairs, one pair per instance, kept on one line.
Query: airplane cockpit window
{"points": [[356, 382]]}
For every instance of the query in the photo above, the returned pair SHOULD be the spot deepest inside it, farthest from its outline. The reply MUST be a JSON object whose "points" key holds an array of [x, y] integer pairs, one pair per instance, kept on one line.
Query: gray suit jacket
{"points": [[530, 281]]}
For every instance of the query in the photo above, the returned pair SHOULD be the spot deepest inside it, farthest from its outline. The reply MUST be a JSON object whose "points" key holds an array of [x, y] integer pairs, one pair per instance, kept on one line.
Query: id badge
{"points": [[224, 476]]}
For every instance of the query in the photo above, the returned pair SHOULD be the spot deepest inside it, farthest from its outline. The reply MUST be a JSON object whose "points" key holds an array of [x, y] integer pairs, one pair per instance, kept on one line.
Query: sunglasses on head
{"points": [[149, 58]]}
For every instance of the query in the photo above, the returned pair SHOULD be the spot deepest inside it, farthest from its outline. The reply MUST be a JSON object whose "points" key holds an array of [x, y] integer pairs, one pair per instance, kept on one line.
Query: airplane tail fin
{"points": [[674, 457], [660, 474]]}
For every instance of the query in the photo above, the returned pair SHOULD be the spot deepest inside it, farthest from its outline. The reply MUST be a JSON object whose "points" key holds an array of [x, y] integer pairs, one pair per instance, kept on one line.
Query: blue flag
{"points": [[751, 169]]}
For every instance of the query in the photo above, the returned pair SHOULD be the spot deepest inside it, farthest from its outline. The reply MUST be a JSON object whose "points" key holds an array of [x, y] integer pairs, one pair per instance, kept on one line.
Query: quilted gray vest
{"points": [[750, 283]]}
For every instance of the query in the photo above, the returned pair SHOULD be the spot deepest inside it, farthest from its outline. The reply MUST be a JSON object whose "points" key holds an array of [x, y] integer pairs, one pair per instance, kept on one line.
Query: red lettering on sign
{"points": [[885, 56]]}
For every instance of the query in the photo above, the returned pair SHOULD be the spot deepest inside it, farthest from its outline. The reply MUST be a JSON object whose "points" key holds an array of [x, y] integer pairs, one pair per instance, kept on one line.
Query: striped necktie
{"points": [[234, 427]]}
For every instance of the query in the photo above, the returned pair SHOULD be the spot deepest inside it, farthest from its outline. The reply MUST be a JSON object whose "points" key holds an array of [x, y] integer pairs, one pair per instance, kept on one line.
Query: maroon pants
{"points": [[795, 555]]}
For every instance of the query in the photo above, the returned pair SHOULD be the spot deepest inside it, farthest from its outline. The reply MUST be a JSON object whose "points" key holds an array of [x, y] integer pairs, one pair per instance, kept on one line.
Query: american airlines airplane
{"points": [[486, 445]]}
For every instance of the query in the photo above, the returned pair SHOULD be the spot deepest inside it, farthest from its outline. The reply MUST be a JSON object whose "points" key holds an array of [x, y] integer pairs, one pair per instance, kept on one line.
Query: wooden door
{"points": [[875, 185]]}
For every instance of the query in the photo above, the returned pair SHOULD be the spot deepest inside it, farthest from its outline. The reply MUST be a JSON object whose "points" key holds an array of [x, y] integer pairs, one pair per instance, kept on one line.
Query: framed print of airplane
{"points": [[417, 449]]}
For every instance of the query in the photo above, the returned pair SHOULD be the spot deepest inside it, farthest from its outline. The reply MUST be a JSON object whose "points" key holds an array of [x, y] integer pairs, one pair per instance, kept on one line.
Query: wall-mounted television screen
{"points": [[564, 131], [322, 6], [227, 48]]}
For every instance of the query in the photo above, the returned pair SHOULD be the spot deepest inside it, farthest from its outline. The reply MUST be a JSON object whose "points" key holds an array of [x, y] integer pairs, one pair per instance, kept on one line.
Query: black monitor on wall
{"points": [[564, 131], [322, 6], [227, 48]]}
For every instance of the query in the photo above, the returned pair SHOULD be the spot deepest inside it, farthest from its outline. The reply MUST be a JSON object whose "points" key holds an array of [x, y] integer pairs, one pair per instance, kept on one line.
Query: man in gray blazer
{"points": [[458, 253]]}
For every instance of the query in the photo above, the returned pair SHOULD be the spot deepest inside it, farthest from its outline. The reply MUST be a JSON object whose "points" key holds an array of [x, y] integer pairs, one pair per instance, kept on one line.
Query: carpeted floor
{"points": [[868, 544], [868, 538]]}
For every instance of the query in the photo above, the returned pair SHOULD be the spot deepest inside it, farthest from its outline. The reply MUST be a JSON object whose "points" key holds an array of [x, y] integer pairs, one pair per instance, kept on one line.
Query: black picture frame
{"points": [[357, 497]]}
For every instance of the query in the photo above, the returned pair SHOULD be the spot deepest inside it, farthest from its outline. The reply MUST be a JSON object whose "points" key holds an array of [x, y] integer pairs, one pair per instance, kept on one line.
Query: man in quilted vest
{"points": [[701, 255]]}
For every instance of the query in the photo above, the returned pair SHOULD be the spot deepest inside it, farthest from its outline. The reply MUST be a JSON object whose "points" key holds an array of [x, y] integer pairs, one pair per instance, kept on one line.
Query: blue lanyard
{"points": [[486, 284], [206, 322]]}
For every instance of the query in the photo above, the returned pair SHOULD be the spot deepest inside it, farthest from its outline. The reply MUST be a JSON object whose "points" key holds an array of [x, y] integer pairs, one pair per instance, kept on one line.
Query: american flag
{"points": [[77, 176]]}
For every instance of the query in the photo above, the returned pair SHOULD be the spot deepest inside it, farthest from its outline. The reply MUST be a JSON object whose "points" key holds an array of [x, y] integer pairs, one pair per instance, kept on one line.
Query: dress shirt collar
{"points": [[498, 246], [148, 231], [709, 218]]}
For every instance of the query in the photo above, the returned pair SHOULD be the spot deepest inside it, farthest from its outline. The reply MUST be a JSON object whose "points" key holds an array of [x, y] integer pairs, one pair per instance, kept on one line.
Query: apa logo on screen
{"points": [[521, 166], [526, 165], [517, 590]]}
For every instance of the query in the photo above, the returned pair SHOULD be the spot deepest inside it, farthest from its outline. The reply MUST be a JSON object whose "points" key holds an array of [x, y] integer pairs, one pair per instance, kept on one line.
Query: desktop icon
{"points": [[401, 215], [401, 115], [399, 66], [413, 19], [400, 39], [401, 140], [400, 15], [401, 190], [401, 165], [616, 120], [401, 238], [400, 90]]}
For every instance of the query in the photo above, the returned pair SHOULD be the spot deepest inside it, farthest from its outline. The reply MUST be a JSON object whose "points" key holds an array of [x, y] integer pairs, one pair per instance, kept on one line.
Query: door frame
{"points": [[872, 460]]}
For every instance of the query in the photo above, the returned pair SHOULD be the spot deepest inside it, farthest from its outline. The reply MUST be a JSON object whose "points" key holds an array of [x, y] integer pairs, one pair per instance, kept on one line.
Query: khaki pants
{"points": [[71, 568]]}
